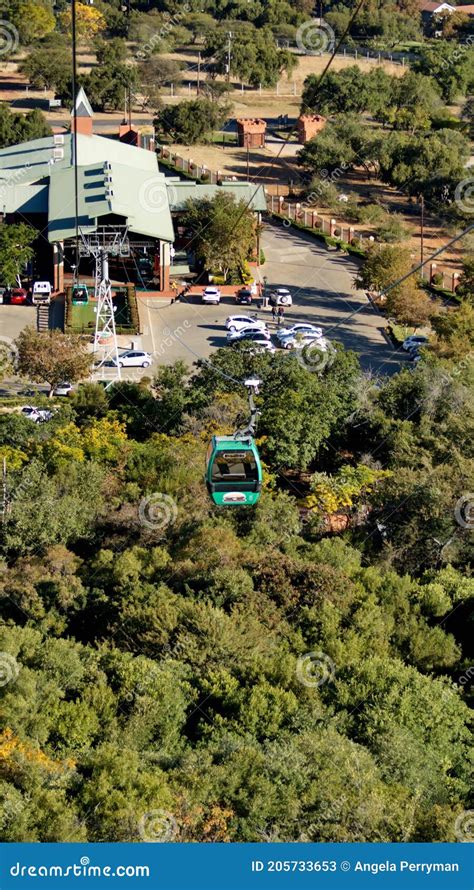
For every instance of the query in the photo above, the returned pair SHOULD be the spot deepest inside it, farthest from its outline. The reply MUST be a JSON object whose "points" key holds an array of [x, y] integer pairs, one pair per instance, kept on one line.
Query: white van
{"points": [[41, 292]]}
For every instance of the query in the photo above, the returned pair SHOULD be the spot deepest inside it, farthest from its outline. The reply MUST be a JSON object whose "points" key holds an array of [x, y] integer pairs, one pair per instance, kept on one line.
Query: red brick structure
{"points": [[310, 125], [129, 134], [82, 119], [251, 132]]}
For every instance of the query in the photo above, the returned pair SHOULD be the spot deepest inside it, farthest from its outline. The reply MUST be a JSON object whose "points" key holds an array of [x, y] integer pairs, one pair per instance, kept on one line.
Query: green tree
{"points": [[223, 231], [15, 250], [255, 58], [383, 266], [191, 121], [49, 66], [452, 71], [33, 19], [52, 357]]}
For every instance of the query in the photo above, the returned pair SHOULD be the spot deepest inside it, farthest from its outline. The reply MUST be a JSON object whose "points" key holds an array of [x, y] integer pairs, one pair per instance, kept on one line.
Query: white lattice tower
{"points": [[100, 244]]}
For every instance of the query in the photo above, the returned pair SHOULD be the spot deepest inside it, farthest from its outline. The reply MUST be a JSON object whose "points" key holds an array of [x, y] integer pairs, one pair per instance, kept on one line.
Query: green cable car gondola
{"points": [[233, 468]]}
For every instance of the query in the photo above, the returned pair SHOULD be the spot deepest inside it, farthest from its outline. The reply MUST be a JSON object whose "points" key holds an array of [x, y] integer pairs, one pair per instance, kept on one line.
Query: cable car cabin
{"points": [[233, 472], [80, 294]]}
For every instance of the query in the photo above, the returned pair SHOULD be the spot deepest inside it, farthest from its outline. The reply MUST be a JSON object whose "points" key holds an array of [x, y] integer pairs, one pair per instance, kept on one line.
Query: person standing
{"points": [[281, 315]]}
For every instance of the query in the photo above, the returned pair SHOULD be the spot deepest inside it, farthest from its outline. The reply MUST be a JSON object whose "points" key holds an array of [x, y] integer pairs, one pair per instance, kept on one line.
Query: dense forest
{"points": [[297, 671]]}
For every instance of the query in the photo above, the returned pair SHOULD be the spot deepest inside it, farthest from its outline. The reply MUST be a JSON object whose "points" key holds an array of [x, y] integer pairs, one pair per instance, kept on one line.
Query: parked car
{"points": [[280, 296], [414, 342], [262, 346], [37, 415], [133, 359], [299, 341], [63, 389], [211, 295], [283, 333], [18, 296], [259, 339], [42, 291], [244, 296], [245, 333], [238, 322]]}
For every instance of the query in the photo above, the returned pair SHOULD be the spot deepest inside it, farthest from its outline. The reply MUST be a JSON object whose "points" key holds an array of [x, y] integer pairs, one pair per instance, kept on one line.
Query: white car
{"points": [[238, 322], [211, 295], [302, 340], [259, 346], [245, 333], [62, 389], [414, 342], [280, 296], [301, 328], [133, 359], [258, 339], [37, 415]]}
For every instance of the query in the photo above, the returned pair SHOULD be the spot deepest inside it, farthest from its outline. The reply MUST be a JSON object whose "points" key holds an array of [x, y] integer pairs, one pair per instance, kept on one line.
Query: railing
{"points": [[343, 231]]}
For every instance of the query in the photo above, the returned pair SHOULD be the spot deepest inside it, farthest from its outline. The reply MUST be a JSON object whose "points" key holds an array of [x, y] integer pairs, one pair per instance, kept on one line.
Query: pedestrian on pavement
{"points": [[281, 313], [274, 313]]}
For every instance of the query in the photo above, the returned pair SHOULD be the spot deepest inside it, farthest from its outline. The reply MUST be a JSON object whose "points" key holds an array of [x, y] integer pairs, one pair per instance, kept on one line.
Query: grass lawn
{"points": [[83, 316]]}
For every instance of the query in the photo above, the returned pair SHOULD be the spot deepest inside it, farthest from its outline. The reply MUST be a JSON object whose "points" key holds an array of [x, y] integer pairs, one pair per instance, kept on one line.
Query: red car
{"points": [[18, 296]]}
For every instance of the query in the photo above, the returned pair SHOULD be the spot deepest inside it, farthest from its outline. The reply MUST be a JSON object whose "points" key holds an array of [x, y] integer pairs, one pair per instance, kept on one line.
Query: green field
{"points": [[82, 316]]}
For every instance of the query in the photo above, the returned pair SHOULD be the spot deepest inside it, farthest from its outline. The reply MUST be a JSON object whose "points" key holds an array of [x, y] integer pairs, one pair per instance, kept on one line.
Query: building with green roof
{"points": [[119, 184]]}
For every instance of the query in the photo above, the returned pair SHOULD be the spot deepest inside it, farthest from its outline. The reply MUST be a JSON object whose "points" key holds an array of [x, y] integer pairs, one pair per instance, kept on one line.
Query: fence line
{"points": [[445, 278]]}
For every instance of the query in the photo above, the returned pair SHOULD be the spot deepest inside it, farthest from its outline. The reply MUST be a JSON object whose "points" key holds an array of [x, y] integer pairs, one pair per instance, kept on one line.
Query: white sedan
{"points": [[62, 389], [245, 334], [211, 295], [133, 359], [301, 340], [280, 296], [301, 328], [239, 322]]}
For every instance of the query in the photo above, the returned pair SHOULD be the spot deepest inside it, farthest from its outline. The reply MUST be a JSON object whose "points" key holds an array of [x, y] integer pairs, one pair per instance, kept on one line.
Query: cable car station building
{"points": [[119, 184]]}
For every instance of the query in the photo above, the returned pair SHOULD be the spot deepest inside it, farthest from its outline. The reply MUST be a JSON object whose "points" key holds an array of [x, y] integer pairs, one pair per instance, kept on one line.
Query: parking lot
{"points": [[321, 283]]}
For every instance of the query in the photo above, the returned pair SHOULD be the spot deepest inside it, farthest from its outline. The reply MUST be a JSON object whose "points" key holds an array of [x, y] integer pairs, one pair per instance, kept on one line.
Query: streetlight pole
{"points": [[229, 54], [422, 234]]}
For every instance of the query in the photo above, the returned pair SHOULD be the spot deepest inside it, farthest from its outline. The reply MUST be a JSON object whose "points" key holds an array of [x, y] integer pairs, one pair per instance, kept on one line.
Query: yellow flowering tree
{"points": [[89, 22]]}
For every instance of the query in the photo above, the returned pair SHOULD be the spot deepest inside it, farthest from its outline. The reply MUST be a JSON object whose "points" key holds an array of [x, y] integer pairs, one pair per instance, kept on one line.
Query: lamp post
{"points": [[422, 234]]}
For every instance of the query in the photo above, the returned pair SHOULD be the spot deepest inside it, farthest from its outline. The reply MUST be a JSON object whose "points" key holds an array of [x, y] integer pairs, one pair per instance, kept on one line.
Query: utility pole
{"points": [[229, 54], [247, 138], [198, 82], [422, 234]]}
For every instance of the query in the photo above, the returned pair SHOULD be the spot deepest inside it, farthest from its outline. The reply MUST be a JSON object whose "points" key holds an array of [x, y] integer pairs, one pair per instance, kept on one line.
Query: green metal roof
{"points": [[180, 192], [132, 193], [38, 176]]}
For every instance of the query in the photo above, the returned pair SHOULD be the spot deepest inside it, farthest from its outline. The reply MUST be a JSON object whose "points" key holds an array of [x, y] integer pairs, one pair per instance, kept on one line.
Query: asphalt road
{"points": [[321, 282]]}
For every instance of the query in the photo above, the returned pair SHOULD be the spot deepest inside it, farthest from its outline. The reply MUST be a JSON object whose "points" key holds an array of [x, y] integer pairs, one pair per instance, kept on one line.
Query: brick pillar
{"points": [[58, 266]]}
